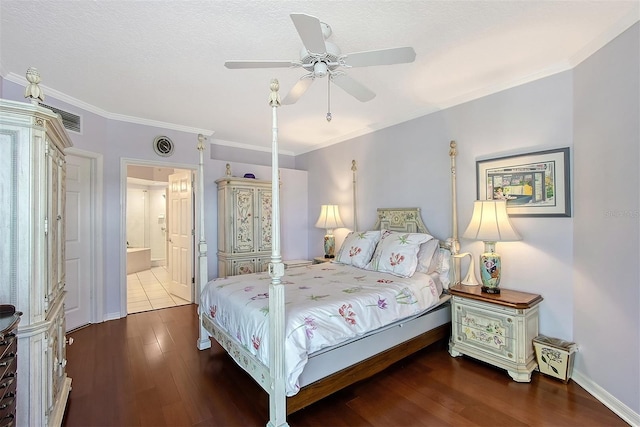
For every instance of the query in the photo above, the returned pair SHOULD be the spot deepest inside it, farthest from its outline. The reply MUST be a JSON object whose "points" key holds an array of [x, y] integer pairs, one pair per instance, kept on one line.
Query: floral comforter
{"points": [[326, 304]]}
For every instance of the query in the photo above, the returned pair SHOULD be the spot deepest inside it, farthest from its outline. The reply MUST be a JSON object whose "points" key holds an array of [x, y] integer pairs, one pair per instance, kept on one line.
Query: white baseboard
{"points": [[611, 402], [112, 316]]}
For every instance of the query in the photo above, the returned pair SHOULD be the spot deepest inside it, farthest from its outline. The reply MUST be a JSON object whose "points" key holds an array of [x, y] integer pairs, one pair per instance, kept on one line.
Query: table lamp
{"points": [[329, 219], [490, 223]]}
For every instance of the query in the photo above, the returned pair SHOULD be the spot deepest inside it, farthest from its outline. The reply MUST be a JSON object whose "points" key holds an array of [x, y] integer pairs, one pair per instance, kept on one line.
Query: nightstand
{"points": [[496, 328], [321, 259]]}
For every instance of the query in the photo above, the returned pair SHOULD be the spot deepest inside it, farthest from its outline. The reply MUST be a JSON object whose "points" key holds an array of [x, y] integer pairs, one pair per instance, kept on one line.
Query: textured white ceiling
{"points": [[162, 61]]}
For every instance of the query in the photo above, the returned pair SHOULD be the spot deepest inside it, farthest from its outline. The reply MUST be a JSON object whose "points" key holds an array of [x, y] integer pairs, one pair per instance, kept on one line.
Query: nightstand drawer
{"points": [[494, 322], [492, 343]]}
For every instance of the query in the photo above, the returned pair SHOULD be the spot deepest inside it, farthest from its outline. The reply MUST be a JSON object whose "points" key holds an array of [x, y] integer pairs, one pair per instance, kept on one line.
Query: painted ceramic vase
{"points": [[490, 268]]}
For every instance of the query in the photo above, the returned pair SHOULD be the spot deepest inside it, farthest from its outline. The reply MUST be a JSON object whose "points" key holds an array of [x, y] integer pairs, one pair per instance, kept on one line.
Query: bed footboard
{"points": [[247, 361]]}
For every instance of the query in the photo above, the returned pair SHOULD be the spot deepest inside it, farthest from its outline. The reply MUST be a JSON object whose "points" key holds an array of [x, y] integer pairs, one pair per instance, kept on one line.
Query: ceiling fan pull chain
{"points": [[328, 99]]}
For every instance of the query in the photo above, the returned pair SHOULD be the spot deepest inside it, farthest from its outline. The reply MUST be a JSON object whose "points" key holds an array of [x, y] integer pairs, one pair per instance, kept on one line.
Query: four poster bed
{"points": [[310, 331]]}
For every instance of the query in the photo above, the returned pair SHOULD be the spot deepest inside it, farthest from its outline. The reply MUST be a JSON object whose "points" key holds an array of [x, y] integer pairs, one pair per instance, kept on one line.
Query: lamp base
{"points": [[490, 269], [329, 246]]}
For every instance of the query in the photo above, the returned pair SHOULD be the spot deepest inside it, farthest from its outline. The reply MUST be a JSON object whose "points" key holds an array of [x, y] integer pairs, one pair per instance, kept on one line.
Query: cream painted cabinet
{"points": [[244, 226], [32, 264]]}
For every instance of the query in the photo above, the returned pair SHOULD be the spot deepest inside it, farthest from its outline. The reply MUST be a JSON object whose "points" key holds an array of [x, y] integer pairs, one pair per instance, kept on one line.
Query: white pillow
{"points": [[397, 253], [440, 264], [357, 248], [425, 255]]}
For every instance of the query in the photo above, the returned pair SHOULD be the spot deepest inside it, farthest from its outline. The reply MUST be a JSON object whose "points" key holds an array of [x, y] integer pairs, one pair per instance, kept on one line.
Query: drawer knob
{"points": [[68, 341]]}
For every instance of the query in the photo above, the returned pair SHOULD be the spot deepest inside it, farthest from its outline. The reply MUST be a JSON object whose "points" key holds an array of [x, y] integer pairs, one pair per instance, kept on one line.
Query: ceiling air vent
{"points": [[163, 146], [69, 121]]}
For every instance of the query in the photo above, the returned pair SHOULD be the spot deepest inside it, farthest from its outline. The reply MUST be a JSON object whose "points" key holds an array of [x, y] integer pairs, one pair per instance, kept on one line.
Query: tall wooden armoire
{"points": [[32, 260], [244, 225]]}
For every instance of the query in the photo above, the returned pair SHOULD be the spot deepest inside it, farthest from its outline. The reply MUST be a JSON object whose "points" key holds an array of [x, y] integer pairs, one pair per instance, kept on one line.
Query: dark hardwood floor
{"points": [[145, 370]]}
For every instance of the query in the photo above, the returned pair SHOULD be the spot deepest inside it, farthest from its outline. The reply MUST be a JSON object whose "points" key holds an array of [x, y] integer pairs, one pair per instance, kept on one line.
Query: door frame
{"points": [[124, 163], [96, 267]]}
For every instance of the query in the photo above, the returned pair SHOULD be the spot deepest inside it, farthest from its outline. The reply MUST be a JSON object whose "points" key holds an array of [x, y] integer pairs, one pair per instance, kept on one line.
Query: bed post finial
{"points": [[33, 89], [274, 96], [453, 150]]}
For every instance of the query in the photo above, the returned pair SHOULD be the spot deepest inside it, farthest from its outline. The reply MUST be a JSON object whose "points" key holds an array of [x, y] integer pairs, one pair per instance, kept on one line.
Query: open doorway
{"points": [[159, 237]]}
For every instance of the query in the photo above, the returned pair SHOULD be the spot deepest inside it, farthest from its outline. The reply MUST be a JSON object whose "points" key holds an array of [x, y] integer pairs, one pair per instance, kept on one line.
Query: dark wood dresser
{"points": [[9, 319]]}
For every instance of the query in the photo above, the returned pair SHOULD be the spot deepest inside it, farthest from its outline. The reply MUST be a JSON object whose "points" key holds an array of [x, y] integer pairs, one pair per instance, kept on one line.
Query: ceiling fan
{"points": [[321, 58]]}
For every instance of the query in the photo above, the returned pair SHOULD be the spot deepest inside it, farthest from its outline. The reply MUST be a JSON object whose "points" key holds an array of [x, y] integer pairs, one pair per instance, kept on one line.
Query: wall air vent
{"points": [[163, 146], [69, 120]]}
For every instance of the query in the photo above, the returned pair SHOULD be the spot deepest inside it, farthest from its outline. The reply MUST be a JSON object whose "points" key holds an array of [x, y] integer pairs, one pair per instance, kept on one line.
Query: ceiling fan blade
{"points": [[259, 64], [394, 55], [310, 32], [297, 91], [353, 87]]}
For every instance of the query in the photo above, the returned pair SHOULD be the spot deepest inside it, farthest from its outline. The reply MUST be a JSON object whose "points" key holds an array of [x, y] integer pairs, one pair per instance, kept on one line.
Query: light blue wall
{"points": [[408, 165], [606, 285]]}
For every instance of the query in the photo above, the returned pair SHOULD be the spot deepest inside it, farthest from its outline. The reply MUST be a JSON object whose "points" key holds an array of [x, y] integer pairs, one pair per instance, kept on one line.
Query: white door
{"points": [[180, 235], [78, 242]]}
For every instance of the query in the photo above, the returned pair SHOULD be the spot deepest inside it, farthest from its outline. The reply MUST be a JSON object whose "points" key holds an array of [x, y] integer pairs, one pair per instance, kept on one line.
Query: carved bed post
{"points": [[277, 394], [455, 244], [355, 204]]}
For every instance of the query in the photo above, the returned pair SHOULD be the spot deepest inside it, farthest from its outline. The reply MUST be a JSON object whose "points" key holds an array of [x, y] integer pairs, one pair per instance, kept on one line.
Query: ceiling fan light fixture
{"points": [[320, 69]]}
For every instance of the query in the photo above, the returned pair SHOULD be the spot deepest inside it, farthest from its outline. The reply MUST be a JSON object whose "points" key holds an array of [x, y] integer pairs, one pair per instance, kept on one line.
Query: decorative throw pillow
{"points": [[425, 255], [397, 253], [357, 248]]}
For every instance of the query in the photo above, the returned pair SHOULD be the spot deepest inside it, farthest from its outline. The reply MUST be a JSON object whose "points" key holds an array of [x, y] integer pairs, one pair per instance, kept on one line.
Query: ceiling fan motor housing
{"points": [[321, 63]]}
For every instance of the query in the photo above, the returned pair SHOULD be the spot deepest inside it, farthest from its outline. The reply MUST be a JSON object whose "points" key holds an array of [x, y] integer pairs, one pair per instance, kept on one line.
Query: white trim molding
{"points": [[124, 162], [607, 399], [96, 224]]}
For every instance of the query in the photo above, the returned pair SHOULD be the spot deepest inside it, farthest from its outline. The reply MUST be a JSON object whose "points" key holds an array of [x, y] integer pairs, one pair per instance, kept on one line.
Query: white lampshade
{"points": [[329, 218], [490, 222]]}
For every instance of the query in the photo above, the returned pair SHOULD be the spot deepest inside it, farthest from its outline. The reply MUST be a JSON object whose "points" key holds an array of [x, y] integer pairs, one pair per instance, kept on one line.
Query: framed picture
{"points": [[533, 184]]}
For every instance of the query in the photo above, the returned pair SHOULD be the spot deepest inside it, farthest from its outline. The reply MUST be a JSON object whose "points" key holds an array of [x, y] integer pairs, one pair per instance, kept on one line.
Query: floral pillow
{"points": [[357, 248], [397, 253]]}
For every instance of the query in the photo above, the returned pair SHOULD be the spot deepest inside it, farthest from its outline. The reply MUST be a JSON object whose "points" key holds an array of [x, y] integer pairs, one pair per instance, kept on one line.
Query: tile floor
{"points": [[149, 290]]}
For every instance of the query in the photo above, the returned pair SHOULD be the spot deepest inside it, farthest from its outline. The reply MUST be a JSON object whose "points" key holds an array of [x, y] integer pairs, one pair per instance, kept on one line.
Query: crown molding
{"points": [[49, 91], [248, 146], [612, 32]]}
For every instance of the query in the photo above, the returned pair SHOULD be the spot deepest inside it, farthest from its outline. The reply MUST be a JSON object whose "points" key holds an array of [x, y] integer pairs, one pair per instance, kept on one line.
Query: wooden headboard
{"points": [[408, 220]]}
